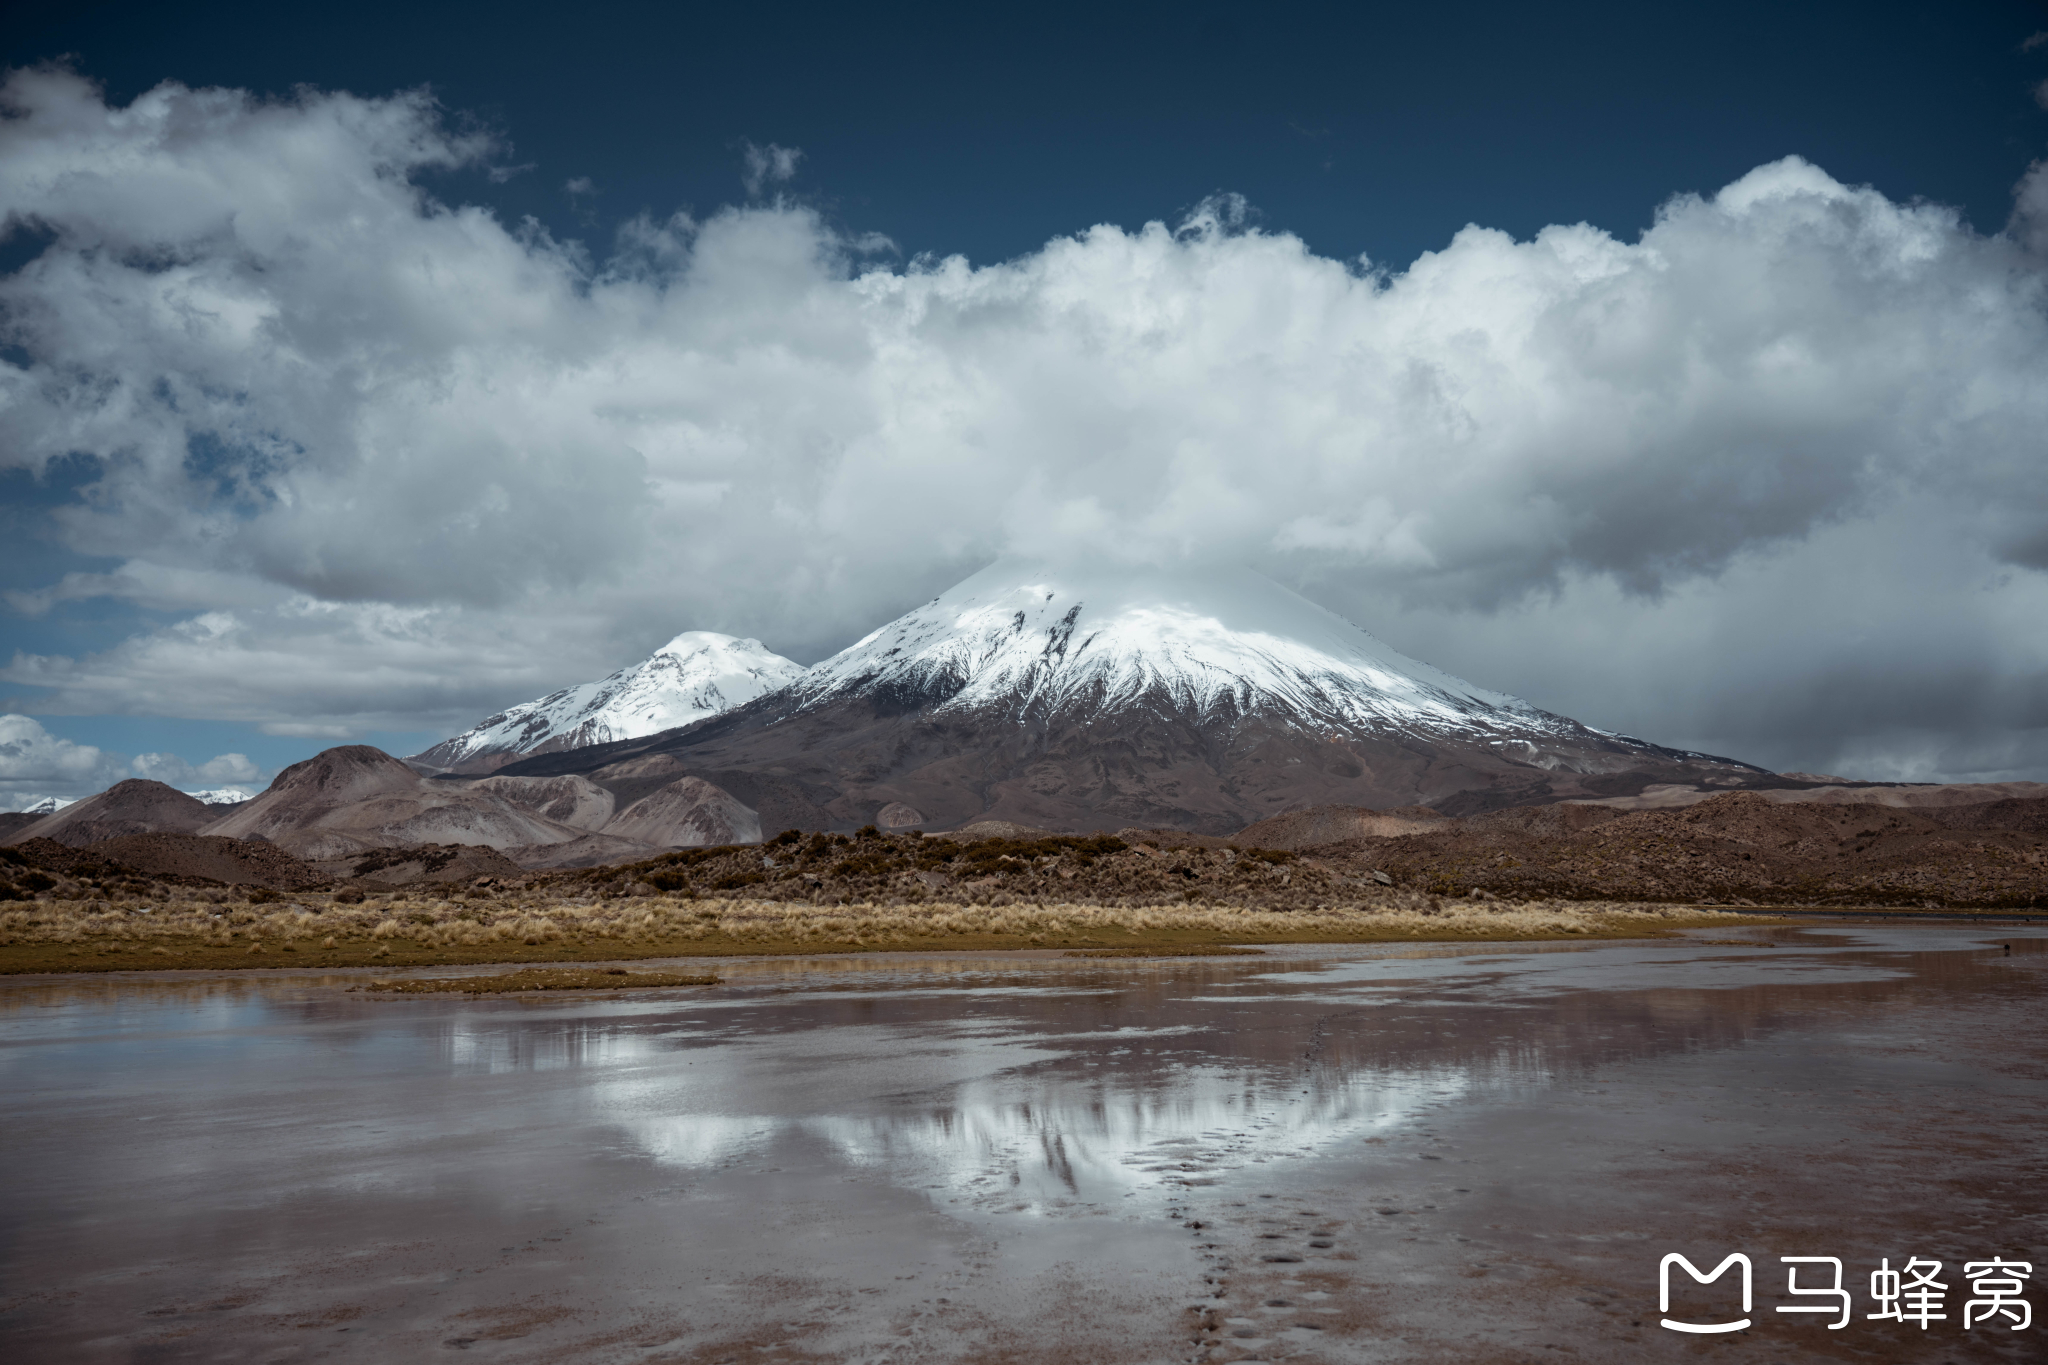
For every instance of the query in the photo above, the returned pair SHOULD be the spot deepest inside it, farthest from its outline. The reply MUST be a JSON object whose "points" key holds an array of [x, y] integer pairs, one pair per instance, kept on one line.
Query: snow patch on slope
{"points": [[696, 675], [1026, 639]]}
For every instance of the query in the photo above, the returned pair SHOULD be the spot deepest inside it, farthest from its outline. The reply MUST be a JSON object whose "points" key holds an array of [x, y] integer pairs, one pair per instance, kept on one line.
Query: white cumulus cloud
{"points": [[35, 763], [401, 463], [220, 771]]}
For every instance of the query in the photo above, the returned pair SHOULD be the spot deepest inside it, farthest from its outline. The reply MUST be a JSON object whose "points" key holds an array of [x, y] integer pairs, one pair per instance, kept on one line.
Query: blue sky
{"points": [[1368, 136], [1362, 128]]}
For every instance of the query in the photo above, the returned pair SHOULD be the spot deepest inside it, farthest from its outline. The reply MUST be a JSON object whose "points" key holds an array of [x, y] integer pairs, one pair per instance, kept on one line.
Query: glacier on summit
{"points": [[698, 674], [1205, 640]]}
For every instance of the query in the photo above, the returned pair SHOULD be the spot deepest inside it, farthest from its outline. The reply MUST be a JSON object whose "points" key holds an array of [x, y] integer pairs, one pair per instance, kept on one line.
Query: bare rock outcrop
{"points": [[896, 815]]}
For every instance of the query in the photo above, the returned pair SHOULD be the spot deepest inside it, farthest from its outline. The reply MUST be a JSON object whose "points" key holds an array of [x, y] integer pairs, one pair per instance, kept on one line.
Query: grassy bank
{"points": [[85, 936]]}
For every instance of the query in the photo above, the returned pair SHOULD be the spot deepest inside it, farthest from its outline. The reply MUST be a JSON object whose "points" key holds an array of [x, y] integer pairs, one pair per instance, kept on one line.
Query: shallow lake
{"points": [[1324, 1153]]}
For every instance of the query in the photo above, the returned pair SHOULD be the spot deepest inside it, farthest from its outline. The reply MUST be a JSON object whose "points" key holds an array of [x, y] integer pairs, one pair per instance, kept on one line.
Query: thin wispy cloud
{"points": [[766, 166]]}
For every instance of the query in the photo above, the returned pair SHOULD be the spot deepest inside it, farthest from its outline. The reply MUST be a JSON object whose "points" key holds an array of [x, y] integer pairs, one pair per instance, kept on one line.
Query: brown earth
{"points": [[212, 857], [1738, 848], [43, 869]]}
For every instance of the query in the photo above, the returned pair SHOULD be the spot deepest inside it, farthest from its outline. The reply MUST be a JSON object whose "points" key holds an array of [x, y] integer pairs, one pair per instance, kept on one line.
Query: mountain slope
{"points": [[696, 675], [1199, 699]]}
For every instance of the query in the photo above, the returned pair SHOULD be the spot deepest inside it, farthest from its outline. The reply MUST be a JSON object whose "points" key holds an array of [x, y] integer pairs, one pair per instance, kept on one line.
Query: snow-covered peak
{"points": [[44, 805], [1027, 639], [699, 673], [220, 796]]}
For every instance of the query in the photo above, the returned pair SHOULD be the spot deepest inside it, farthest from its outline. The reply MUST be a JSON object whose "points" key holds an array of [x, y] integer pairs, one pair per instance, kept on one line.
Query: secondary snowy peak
{"points": [[1028, 640], [45, 805], [698, 674]]}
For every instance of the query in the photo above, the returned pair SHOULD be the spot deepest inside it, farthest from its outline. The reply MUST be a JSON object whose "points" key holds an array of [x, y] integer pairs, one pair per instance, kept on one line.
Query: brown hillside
{"points": [[137, 806]]}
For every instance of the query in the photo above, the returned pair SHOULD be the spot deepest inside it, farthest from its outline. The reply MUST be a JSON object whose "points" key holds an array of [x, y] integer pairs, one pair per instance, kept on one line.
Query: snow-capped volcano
{"points": [[1203, 641], [1193, 698], [699, 673]]}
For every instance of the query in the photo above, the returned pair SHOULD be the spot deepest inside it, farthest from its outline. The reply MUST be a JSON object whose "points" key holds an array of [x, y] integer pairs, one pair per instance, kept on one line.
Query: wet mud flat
{"points": [[1327, 1153]]}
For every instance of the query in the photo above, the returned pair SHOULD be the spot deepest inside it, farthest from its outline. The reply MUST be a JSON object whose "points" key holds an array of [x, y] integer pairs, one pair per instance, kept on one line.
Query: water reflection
{"points": [[202, 1131], [496, 1046], [1042, 1137]]}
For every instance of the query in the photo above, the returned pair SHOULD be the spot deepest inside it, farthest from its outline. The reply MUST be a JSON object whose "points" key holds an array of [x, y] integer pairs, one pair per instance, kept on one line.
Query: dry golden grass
{"points": [[44, 936]]}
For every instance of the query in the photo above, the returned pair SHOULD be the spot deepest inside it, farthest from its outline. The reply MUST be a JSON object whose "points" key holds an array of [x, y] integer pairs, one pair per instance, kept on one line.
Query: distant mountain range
{"points": [[1196, 698], [1207, 701]]}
